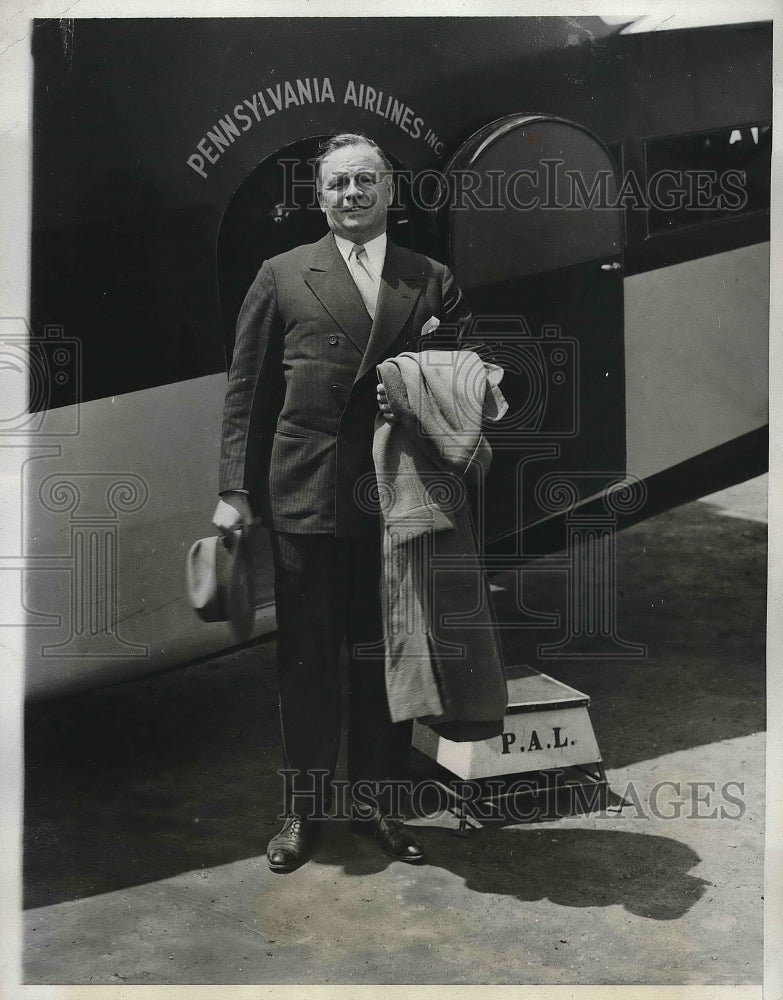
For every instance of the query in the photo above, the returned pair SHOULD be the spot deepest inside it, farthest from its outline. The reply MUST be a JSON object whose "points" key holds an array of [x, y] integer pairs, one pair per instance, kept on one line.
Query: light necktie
{"points": [[363, 277]]}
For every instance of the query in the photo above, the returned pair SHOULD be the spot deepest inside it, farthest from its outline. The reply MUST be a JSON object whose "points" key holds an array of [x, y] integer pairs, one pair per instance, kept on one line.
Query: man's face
{"points": [[355, 193]]}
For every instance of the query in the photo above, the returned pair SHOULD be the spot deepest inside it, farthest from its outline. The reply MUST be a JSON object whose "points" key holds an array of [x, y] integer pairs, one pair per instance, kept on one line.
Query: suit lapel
{"points": [[400, 288], [332, 284]]}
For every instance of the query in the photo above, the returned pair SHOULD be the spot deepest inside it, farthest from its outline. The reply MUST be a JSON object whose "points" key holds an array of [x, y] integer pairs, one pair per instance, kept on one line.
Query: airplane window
{"points": [[695, 179]]}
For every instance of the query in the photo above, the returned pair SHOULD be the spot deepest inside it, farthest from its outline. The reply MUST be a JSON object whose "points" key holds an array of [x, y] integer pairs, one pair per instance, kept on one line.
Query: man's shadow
{"points": [[648, 875]]}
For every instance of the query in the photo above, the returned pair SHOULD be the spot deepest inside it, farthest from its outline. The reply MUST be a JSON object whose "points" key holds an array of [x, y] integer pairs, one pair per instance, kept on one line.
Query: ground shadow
{"points": [[646, 874], [142, 780]]}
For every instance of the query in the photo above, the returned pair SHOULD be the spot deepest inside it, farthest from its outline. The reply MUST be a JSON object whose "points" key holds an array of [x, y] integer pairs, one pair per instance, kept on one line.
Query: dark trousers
{"points": [[327, 593]]}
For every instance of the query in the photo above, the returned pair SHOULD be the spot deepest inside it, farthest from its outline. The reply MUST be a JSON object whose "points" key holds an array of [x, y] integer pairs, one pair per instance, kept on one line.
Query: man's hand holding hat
{"points": [[232, 512]]}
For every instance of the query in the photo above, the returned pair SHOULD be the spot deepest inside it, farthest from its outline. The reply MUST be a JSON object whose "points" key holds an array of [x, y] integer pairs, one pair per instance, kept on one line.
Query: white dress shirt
{"points": [[375, 257]]}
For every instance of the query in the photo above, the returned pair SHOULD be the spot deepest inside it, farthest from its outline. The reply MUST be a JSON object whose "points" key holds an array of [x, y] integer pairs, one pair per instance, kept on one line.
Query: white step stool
{"points": [[546, 728]]}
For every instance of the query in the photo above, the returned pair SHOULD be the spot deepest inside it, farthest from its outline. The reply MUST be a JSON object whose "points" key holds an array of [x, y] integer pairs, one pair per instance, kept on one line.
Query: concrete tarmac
{"points": [[148, 806]]}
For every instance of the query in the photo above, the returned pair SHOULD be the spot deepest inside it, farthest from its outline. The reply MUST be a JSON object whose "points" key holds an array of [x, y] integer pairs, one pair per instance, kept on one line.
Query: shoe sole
{"points": [[284, 869], [408, 860], [289, 867], [370, 835]]}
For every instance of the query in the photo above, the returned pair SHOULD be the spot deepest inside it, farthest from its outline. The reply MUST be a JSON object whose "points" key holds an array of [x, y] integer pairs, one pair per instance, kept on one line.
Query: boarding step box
{"points": [[546, 729]]}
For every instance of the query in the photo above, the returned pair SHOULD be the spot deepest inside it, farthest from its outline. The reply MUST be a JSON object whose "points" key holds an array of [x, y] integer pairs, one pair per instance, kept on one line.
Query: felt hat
{"points": [[221, 582]]}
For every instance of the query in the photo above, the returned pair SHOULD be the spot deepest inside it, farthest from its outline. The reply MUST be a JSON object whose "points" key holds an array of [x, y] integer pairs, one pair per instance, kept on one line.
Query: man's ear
{"points": [[320, 195], [390, 186]]}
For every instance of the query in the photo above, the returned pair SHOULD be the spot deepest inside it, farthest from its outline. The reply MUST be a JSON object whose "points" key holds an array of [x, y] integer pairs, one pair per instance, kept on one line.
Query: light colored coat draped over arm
{"points": [[443, 657]]}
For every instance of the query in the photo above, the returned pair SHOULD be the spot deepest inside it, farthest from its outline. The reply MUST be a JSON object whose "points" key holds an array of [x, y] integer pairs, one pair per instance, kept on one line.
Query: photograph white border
{"points": [[15, 198]]}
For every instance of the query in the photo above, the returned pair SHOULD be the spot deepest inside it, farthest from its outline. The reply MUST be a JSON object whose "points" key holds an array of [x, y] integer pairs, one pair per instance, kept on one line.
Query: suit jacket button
{"points": [[333, 339]]}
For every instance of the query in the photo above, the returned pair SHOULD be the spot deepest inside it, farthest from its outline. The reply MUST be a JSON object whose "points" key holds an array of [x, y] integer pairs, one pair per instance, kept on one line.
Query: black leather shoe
{"points": [[392, 836], [291, 847]]}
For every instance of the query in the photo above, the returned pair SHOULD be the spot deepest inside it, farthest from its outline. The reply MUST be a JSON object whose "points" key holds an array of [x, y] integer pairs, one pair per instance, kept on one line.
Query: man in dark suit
{"points": [[297, 451]]}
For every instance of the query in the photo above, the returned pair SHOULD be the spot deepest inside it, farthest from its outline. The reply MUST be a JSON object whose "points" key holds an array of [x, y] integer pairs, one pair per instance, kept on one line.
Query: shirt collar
{"points": [[376, 251]]}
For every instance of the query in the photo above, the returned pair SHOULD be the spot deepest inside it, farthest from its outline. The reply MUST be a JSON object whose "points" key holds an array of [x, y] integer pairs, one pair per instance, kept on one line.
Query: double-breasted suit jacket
{"points": [[301, 401]]}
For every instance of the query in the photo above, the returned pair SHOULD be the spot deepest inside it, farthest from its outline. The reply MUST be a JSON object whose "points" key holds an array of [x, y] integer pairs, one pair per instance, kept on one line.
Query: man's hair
{"points": [[335, 142]]}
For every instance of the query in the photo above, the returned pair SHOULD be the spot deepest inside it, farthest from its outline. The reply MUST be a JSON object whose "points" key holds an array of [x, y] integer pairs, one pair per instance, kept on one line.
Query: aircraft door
{"points": [[535, 241]]}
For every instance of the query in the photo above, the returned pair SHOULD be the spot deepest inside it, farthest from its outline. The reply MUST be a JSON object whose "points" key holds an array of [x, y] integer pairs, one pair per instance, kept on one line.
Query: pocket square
{"points": [[430, 326]]}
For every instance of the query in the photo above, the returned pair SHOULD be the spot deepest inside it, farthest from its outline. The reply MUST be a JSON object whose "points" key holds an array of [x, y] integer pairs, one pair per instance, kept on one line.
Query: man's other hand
{"points": [[383, 403], [232, 512]]}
